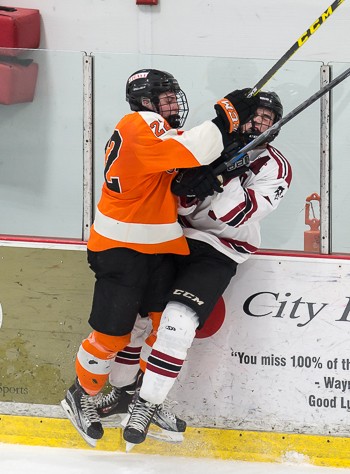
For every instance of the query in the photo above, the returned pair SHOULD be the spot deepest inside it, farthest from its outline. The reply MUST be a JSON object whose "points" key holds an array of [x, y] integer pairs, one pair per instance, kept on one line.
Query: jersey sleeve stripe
{"points": [[197, 142], [204, 141], [284, 168]]}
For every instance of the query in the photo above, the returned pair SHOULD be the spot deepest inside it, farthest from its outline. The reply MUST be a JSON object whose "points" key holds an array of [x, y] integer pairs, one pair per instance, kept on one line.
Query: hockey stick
{"points": [[297, 45], [240, 155]]}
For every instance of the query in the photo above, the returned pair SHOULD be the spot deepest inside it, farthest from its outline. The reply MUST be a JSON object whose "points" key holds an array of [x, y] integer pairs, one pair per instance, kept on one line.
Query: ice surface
{"points": [[19, 459]]}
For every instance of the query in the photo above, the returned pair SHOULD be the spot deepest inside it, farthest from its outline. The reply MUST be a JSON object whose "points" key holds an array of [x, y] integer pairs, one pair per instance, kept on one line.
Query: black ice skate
{"points": [[165, 425], [170, 427], [80, 409], [107, 404], [115, 402], [135, 431]]}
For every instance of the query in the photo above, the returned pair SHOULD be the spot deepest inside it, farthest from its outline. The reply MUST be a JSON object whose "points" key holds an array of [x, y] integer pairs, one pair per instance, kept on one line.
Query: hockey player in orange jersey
{"points": [[135, 231]]}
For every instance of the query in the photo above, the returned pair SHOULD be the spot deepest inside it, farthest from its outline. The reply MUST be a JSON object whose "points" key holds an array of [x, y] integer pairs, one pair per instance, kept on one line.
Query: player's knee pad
{"points": [[105, 346], [177, 328]]}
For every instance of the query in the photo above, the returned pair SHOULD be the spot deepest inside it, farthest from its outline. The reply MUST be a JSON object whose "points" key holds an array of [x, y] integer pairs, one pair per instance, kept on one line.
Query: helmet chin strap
{"points": [[247, 137], [173, 120]]}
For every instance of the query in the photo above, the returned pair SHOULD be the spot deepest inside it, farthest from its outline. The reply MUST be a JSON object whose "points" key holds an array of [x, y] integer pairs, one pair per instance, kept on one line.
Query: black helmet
{"points": [[269, 100], [150, 83]]}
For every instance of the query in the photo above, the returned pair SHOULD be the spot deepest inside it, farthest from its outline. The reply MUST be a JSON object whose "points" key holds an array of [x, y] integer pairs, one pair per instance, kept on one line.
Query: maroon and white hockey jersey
{"points": [[230, 221]]}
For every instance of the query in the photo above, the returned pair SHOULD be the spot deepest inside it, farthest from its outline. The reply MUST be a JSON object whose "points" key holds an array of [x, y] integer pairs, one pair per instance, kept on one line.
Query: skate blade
{"points": [[90, 441], [165, 435], [125, 420], [129, 446]]}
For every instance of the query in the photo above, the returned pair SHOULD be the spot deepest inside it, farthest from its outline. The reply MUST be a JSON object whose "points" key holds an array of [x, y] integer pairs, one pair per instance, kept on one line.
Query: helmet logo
{"points": [[140, 75]]}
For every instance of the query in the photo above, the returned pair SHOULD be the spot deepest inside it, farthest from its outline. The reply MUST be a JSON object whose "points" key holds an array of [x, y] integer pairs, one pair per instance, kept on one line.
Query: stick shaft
{"points": [[297, 45]]}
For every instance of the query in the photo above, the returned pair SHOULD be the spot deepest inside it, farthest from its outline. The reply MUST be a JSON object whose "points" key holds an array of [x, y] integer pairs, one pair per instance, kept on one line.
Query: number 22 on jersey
{"points": [[112, 154]]}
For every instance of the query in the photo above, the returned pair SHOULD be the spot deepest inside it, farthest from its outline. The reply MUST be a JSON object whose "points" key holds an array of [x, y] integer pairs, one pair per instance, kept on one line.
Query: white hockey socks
{"points": [[126, 364], [175, 335]]}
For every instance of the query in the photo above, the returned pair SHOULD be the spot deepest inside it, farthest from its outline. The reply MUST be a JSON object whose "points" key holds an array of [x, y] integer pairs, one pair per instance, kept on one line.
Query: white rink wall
{"points": [[221, 28], [280, 360]]}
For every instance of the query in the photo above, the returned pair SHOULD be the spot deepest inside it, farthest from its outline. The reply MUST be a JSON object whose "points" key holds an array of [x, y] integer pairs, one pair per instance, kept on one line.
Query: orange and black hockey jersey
{"points": [[137, 209]]}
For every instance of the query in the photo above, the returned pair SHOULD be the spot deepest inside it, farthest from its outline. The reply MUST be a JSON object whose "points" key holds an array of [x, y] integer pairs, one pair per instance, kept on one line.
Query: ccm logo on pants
{"points": [[189, 296]]}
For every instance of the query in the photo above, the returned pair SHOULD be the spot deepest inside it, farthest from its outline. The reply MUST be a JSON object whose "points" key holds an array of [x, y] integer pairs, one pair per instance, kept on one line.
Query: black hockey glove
{"points": [[199, 182], [235, 109]]}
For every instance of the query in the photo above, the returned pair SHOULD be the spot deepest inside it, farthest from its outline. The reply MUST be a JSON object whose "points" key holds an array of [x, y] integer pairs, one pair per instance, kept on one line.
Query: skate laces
{"points": [[109, 399], [141, 415], [89, 410], [134, 399], [166, 409]]}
